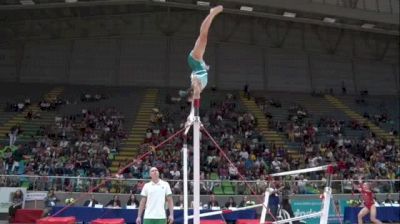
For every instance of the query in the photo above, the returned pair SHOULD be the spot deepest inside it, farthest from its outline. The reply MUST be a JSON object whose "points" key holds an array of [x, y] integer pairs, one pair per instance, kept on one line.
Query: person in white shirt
{"points": [[132, 201], [154, 194], [13, 133], [175, 173], [301, 184], [276, 164]]}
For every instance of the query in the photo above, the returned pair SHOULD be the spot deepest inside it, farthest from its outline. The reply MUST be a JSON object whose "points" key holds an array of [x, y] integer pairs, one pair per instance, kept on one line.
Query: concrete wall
{"points": [[386, 11], [104, 198], [268, 55]]}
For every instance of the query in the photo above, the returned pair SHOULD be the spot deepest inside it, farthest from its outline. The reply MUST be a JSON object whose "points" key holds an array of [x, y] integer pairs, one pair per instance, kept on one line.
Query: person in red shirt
{"points": [[369, 203]]}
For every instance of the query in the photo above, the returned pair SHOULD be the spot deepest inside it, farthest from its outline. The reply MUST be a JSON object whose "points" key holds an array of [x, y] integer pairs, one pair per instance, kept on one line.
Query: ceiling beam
{"points": [[82, 5]]}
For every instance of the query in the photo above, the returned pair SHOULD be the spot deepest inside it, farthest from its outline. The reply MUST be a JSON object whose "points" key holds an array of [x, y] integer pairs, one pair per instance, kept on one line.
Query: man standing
{"points": [[273, 202], [154, 194]]}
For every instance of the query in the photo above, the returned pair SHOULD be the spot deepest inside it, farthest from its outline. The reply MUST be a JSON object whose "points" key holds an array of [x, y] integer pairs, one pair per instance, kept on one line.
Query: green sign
{"points": [[305, 207]]}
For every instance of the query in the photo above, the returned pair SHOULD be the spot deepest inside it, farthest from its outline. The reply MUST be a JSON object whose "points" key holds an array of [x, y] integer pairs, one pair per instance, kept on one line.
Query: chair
{"points": [[229, 190], [218, 190]]}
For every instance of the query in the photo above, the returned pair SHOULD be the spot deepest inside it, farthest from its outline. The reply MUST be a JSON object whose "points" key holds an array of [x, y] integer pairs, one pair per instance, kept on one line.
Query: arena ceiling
{"points": [[17, 11]]}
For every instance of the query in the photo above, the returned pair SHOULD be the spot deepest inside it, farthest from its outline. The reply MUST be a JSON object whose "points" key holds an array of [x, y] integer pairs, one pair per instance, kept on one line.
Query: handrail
{"points": [[174, 180], [82, 184]]}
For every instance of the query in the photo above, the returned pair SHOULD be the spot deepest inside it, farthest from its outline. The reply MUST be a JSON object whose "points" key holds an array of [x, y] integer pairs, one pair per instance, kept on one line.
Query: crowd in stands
{"points": [[89, 97], [18, 106], [236, 134], [79, 145], [235, 131], [325, 140], [84, 144], [43, 104]]}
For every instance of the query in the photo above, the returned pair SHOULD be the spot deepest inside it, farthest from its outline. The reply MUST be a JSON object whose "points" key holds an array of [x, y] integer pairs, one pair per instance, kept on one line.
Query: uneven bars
{"points": [[318, 168]]}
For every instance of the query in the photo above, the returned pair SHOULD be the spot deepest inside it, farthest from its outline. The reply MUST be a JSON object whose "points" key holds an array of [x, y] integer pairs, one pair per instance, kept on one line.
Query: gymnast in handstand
{"points": [[199, 75]]}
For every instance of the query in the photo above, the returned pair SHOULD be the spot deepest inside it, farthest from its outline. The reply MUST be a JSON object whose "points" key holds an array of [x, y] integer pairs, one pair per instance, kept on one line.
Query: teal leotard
{"points": [[199, 70]]}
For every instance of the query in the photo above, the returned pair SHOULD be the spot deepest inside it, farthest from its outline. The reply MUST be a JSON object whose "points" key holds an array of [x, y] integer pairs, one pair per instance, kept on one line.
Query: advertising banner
{"points": [[304, 207]]}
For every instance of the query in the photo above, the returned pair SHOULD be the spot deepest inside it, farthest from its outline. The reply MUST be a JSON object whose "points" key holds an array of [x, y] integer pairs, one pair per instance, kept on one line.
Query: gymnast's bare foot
{"points": [[216, 10]]}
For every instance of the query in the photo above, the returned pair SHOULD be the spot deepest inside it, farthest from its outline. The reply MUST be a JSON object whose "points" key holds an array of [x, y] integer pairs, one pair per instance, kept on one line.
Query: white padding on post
{"points": [[265, 207]]}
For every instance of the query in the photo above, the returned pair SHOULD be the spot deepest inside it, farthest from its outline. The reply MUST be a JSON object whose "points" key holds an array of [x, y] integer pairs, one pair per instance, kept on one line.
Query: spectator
{"points": [[301, 184], [347, 184], [212, 202], [230, 203], [288, 207], [246, 91], [114, 203], [180, 202], [138, 187], [243, 202], [177, 189], [13, 133], [17, 198], [132, 201], [91, 202], [175, 173], [51, 199], [344, 90], [389, 199], [273, 201]]}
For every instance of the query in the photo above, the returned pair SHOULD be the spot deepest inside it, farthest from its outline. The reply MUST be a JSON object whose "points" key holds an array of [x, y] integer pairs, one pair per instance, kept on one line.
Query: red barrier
{"points": [[108, 221], [57, 220], [27, 215]]}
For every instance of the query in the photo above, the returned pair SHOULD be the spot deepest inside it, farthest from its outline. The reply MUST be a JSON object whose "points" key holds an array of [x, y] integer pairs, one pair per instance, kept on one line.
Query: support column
{"points": [[215, 66], [69, 60], [396, 75], [354, 76], [265, 206], [185, 181], [310, 73], [265, 68], [167, 62], [196, 169], [117, 65], [19, 57], [327, 196]]}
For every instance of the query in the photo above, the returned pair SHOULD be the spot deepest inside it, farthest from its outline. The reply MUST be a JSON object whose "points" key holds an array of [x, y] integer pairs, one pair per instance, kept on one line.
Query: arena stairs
{"points": [[129, 148], [270, 135], [354, 115], [319, 107], [30, 127]]}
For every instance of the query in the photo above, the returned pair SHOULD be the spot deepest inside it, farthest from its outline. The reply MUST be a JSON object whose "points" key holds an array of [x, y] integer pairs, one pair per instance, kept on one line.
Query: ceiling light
{"points": [[329, 20], [202, 3], [289, 14], [27, 2], [246, 8], [368, 26]]}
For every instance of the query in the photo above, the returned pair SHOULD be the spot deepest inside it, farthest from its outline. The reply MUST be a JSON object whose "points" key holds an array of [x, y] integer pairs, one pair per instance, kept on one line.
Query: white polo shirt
{"points": [[155, 194]]}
